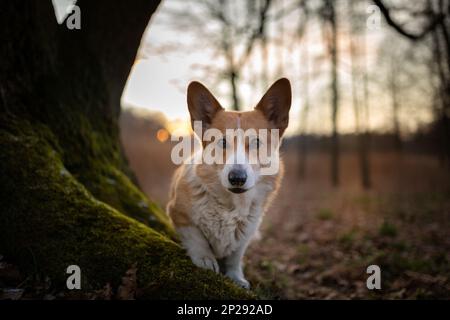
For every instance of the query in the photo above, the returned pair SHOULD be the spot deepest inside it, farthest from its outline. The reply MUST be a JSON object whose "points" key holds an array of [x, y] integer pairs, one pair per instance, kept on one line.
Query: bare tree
{"points": [[361, 127], [437, 23], [329, 16], [438, 67], [394, 92], [302, 33], [238, 27], [365, 139]]}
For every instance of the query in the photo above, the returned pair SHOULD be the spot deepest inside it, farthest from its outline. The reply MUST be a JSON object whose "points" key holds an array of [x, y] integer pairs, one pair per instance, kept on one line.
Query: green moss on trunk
{"points": [[67, 195], [50, 220]]}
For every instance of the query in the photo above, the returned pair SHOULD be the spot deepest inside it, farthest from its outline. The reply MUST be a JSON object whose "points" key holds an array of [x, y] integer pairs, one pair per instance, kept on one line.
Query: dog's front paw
{"points": [[239, 280], [206, 262]]}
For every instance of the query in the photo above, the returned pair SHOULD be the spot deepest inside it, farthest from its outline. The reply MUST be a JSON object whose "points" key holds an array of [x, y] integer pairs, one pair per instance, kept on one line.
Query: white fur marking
{"points": [[198, 248]]}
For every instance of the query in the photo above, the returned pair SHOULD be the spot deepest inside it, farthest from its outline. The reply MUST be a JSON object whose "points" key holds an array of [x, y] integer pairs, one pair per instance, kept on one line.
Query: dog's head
{"points": [[239, 139]]}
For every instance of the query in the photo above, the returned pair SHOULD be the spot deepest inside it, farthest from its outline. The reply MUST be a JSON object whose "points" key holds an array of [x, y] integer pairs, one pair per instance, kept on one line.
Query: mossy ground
{"points": [[50, 220]]}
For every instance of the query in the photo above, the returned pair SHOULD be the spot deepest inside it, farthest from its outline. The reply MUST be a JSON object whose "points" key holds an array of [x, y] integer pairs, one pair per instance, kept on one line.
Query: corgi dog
{"points": [[217, 208]]}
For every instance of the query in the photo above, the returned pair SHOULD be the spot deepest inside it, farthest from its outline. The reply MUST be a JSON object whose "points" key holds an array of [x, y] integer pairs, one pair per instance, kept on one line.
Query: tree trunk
{"points": [[365, 139], [265, 62], [234, 90], [360, 131], [66, 193], [439, 68], [443, 28], [356, 110], [393, 87], [303, 148], [333, 48]]}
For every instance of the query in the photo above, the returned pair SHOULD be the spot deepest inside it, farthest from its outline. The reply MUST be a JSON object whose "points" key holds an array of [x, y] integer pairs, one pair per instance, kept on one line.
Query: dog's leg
{"points": [[233, 265], [198, 248]]}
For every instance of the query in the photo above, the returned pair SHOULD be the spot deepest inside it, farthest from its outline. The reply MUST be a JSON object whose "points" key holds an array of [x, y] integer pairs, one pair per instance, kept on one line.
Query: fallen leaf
{"points": [[127, 290], [11, 294]]}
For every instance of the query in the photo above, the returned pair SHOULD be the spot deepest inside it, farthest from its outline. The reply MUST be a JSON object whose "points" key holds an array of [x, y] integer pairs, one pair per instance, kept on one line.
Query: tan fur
{"points": [[180, 201], [213, 222]]}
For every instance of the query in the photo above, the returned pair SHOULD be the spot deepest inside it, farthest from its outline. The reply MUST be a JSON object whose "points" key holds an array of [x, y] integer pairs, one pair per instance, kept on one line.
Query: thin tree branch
{"points": [[397, 27]]}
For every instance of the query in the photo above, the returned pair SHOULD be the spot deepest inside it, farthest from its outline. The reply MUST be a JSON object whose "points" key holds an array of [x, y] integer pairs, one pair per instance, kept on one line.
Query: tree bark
{"points": [[365, 138], [393, 86], [331, 19], [304, 60], [360, 130], [234, 90], [67, 195]]}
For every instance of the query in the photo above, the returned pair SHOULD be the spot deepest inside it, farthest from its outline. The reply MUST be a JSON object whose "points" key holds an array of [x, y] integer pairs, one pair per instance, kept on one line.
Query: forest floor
{"points": [[318, 241]]}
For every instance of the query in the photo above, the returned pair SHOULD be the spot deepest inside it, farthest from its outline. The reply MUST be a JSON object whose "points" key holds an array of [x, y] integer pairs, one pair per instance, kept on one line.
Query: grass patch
{"points": [[325, 214], [387, 229], [303, 253], [348, 238], [267, 265]]}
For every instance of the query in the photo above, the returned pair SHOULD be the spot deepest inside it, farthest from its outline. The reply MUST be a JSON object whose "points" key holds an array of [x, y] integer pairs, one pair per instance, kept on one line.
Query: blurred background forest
{"points": [[367, 150]]}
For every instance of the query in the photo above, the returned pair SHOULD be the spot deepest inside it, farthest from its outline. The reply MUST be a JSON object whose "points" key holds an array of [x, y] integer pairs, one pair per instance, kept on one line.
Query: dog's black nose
{"points": [[237, 177]]}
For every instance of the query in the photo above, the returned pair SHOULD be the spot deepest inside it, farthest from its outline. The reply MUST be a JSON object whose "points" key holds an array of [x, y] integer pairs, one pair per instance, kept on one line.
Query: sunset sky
{"points": [[164, 68]]}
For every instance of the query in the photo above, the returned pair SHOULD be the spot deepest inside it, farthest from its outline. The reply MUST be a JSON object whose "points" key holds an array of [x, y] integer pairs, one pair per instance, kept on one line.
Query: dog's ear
{"points": [[275, 104], [202, 104]]}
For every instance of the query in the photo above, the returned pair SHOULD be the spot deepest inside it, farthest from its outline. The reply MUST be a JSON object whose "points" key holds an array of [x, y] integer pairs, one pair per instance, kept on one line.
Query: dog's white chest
{"points": [[226, 229]]}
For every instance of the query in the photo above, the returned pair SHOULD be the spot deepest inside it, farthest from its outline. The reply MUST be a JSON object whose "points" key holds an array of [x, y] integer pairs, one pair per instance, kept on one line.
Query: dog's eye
{"points": [[223, 143], [256, 143]]}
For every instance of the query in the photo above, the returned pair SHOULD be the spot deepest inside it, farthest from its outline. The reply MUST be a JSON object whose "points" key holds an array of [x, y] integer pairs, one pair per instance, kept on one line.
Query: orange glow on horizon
{"points": [[162, 135]]}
